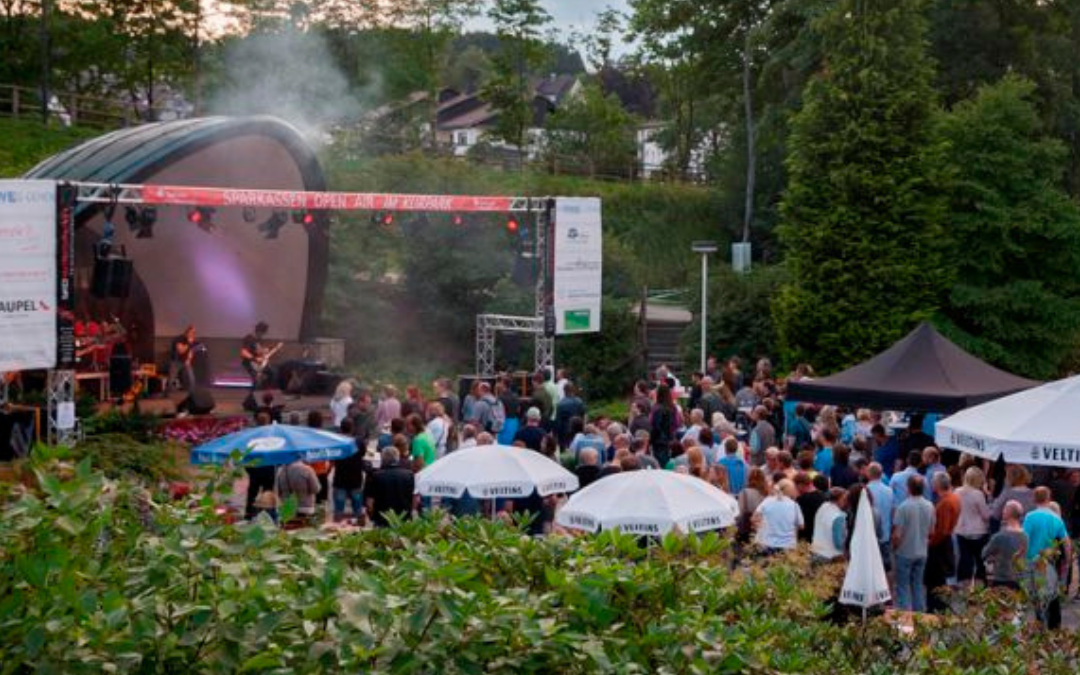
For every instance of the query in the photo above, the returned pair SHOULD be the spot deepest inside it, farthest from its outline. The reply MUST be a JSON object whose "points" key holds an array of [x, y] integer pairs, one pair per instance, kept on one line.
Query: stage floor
{"points": [[229, 402]]}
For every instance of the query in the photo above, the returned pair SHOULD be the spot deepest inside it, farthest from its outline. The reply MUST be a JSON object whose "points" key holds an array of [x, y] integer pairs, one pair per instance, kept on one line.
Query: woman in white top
{"points": [[779, 519], [339, 405], [830, 527], [973, 527], [438, 426]]}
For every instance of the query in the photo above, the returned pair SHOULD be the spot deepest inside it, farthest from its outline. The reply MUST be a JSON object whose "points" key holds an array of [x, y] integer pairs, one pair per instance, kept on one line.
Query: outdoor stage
{"points": [[229, 403]]}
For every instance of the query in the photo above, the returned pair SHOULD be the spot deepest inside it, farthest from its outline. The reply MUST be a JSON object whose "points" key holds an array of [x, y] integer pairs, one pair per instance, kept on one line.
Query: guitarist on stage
{"points": [[255, 358], [181, 353]]}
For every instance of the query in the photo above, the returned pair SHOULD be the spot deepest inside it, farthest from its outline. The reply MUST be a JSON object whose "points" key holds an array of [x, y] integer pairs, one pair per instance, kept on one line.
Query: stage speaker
{"points": [[119, 374], [200, 366], [199, 402], [112, 278]]}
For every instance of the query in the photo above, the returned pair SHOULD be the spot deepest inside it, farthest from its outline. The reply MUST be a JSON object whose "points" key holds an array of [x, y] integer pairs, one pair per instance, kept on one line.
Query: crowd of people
{"points": [[796, 470]]}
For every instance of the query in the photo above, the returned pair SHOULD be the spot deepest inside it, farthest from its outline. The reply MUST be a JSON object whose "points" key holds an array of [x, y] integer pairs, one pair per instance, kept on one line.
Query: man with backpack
{"points": [[488, 412]]}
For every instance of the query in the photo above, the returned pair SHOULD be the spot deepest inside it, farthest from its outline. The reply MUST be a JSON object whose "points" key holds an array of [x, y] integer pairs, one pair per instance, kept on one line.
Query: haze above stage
{"points": [[223, 280]]}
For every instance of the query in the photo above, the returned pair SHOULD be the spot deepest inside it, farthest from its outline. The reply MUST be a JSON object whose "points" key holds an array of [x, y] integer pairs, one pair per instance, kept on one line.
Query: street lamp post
{"points": [[704, 248]]}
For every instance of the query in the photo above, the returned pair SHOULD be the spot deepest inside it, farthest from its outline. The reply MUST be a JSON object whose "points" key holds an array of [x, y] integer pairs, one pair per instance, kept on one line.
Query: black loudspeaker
{"points": [[119, 374], [199, 402], [112, 278], [200, 366]]}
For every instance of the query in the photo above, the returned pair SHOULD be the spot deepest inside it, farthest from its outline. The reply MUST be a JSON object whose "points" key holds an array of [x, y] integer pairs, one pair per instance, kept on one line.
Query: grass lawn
{"points": [[24, 143]]}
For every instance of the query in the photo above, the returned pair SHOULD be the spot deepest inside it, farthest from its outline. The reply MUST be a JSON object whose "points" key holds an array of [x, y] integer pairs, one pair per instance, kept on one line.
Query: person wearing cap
{"points": [[532, 434]]}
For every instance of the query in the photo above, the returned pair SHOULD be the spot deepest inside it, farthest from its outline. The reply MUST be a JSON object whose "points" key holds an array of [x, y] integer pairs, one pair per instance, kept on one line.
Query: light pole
{"points": [[704, 248]]}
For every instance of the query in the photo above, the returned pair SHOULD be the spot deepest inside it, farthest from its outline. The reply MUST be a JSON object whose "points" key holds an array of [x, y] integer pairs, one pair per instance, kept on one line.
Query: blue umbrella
{"points": [[275, 445]]}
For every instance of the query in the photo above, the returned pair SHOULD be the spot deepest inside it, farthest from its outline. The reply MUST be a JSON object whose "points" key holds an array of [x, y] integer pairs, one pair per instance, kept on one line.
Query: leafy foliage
{"points": [[604, 364], [594, 131], [740, 314], [1015, 233], [94, 576], [26, 142], [862, 214]]}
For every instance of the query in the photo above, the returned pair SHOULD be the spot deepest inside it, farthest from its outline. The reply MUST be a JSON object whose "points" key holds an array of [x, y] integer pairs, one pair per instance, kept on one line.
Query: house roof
{"points": [[466, 111]]}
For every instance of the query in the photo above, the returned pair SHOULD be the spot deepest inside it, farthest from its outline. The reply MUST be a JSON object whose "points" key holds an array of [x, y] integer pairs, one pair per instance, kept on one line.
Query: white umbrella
{"points": [[1036, 426], [649, 502], [865, 583], [494, 471]]}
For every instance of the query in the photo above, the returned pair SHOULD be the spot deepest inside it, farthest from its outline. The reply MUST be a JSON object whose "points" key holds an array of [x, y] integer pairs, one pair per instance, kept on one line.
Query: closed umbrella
{"points": [[1036, 426], [275, 445], [494, 472], [649, 502], [865, 583]]}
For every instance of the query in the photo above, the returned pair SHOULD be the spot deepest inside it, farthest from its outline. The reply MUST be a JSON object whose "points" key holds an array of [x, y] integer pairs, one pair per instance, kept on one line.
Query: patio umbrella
{"points": [[1036, 426], [649, 502], [494, 472], [865, 583], [274, 445]]}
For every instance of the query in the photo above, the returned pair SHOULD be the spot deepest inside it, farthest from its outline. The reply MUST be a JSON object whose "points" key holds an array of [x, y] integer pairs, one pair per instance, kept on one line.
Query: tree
{"points": [[1015, 233], [593, 130], [519, 25], [861, 217]]}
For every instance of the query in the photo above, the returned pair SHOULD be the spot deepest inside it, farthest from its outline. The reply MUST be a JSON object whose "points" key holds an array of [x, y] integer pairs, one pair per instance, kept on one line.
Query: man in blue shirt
{"points": [[735, 466], [1046, 531], [882, 497], [886, 449], [823, 458], [899, 481]]}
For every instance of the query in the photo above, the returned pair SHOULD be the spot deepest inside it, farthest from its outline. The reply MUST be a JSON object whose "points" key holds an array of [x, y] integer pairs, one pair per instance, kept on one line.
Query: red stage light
{"points": [[309, 218], [512, 225], [458, 220], [388, 219], [195, 216]]}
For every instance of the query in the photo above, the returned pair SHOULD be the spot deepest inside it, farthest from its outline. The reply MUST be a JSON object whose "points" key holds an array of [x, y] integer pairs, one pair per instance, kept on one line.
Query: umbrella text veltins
{"points": [[274, 445], [865, 583]]}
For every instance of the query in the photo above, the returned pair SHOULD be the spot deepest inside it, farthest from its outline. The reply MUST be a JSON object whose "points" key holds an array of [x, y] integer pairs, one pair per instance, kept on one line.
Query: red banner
{"points": [[310, 201]]}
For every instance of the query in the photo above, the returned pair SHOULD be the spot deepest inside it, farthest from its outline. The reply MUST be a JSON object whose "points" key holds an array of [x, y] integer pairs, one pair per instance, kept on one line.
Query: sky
{"points": [[568, 15]]}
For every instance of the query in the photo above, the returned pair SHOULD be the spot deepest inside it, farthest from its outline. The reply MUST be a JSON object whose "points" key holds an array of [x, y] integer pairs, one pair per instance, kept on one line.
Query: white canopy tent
{"points": [[1037, 426], [650, 503]]}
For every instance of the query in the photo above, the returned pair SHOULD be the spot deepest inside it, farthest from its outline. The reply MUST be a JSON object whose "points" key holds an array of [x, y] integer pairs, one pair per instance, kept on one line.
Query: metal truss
{"points": [[488, 326], [61, 387]]}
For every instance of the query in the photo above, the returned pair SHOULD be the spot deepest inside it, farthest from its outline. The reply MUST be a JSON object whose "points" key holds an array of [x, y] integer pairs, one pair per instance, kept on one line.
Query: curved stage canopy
{"points": [[225, 275]]}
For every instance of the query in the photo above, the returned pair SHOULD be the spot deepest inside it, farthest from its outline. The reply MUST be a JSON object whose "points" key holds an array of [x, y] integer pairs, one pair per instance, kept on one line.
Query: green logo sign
{"points": [[577, 319]]}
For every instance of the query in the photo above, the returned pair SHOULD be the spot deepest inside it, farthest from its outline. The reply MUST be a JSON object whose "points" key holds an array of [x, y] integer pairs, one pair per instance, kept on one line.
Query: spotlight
{"points": [[457, 220], [303, 217], [146, 220], [131, 217], [249, 214], [203, 216], [512, 224], [272, 227], [386, 219]]}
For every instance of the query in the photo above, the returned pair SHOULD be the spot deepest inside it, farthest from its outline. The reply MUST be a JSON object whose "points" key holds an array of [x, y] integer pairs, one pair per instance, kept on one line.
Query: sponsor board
{"points": [[28, 267], [578, 265]]}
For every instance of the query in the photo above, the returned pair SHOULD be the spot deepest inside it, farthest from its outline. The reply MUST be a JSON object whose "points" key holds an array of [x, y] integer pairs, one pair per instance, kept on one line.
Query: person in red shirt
{"points": [[940, 559]]}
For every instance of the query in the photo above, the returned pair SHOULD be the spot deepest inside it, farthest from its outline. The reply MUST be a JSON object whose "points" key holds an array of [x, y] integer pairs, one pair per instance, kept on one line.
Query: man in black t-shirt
{"points": [[181, 351], [390, 488], [251, 349]]}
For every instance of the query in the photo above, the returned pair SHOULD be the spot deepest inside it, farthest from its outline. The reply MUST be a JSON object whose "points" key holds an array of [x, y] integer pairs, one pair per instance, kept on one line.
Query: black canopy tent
{"points": [[923, 372]]}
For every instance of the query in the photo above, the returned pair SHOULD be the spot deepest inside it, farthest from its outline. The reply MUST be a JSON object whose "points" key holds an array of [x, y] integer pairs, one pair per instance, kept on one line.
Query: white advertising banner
{"points": [[578, 265], [28, 276]]}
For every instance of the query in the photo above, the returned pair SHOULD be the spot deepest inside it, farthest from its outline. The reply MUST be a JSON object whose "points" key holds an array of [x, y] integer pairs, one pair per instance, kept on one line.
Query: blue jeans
{"points": [[910, 589], [356, 496]]}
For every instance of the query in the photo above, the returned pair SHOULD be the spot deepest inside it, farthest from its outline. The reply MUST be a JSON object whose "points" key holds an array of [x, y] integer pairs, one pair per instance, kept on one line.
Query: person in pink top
{"points": [[973, 528], [389, 408]]}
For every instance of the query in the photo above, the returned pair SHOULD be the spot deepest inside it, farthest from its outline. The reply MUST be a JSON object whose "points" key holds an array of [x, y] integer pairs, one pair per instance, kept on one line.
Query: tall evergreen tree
{"points": [[861, 218], [1015, 234]]}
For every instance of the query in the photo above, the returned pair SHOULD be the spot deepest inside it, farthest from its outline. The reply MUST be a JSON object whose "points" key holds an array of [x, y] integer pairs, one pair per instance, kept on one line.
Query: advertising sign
{"points": [[28, 279], [578, 265]]}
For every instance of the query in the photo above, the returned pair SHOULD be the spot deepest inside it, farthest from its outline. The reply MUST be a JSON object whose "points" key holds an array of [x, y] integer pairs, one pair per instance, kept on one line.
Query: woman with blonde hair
{"points": [[778, 519], [749, 499], [718, 477], [1018, 487], [695, 460], [973, 527], [339, 404]]}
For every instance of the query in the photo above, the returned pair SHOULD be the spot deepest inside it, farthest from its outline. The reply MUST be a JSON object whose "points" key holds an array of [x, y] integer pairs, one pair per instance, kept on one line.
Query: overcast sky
{"points": [[571, 14]]}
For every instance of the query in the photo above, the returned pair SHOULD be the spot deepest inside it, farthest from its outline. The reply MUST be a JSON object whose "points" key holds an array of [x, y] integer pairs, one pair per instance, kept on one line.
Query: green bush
{"points": [[94, 577]]}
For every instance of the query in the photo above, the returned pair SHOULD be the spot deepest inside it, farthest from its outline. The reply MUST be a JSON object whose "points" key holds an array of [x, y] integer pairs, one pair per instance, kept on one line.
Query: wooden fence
{"points": [[68, 109]]}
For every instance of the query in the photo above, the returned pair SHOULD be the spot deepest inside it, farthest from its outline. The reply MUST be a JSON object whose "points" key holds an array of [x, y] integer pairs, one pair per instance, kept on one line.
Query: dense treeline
{"points": [[902, 159]]}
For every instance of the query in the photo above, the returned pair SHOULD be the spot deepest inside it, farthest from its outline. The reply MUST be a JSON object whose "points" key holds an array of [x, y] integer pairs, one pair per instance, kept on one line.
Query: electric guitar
{"points": [[263, 356]]}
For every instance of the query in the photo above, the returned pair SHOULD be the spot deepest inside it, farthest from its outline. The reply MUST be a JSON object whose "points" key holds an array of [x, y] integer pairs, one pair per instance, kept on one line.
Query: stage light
{"points": [[272, 227], [457, 220], [512, 224], [203, 216], [308, 218], [131, 216], [249, 214]]}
